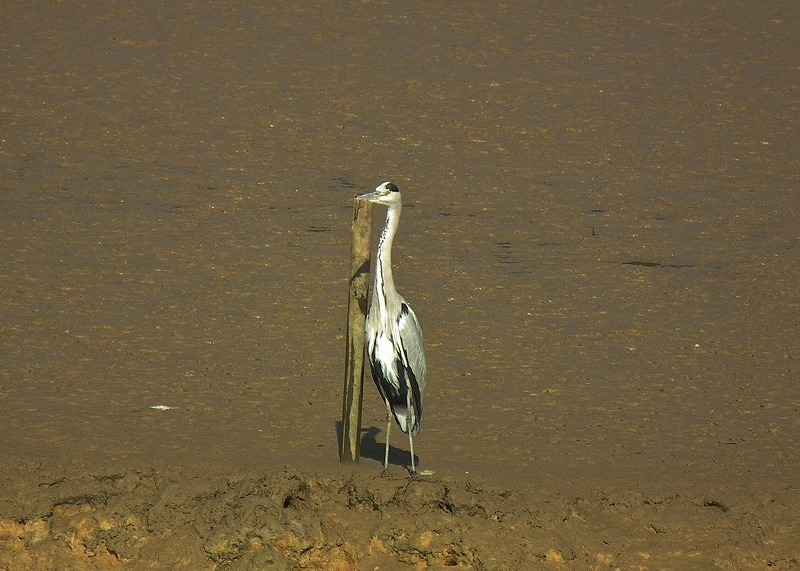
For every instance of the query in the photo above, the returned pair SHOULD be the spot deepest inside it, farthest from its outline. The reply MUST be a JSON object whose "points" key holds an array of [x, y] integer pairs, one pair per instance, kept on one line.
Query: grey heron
{"points": [[394, 338]]}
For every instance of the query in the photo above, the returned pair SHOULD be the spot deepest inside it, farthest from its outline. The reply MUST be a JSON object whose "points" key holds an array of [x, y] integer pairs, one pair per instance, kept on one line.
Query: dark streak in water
{"points": [[656, 264]]}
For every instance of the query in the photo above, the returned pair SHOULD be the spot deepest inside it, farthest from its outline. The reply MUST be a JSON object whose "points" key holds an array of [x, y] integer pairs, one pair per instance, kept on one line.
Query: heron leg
{"points": [[410, 436], [411, 447], [388, 429]]}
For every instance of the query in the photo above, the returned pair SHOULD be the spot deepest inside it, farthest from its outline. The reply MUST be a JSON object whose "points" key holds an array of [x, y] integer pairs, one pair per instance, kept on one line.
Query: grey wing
{"points": [[410, 334]]}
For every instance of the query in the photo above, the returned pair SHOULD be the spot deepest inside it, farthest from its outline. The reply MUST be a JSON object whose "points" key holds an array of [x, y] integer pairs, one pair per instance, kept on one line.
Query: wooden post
{"points": [[350, 445]]}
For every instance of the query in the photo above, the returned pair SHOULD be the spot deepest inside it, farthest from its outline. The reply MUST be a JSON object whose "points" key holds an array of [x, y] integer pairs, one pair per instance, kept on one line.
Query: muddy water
{"points": [[599, 237]]}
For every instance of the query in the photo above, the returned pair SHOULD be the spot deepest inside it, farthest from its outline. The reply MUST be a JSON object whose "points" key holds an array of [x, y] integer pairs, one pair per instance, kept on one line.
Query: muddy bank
{"points": [[296, 520]]}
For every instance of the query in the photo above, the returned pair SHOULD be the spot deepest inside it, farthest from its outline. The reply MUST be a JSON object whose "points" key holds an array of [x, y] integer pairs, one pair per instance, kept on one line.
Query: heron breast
{"points": [[384, 349]]}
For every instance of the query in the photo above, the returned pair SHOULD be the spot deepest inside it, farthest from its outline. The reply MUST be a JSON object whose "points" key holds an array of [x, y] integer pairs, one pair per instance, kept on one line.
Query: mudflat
{"points": [[600, 239]]}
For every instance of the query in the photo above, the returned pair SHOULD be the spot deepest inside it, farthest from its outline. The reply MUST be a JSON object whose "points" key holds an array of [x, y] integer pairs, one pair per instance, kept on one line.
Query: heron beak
{"points": [[367, 196]]}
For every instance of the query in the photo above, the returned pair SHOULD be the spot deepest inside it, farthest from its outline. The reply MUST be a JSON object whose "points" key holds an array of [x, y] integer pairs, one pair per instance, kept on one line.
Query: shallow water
{"points": [[599, 236]]}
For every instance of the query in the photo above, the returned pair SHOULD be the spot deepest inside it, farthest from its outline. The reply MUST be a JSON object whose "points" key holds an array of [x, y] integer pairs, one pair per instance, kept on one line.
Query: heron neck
{"points": [[384, 282]]}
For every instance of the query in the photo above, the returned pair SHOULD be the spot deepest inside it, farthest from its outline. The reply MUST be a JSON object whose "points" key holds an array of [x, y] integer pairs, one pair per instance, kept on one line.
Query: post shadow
{"points": [[374, 450]]}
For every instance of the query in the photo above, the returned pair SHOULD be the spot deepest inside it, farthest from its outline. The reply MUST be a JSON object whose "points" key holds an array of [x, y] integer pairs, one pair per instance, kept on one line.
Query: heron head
{"points": [[386, 193]]}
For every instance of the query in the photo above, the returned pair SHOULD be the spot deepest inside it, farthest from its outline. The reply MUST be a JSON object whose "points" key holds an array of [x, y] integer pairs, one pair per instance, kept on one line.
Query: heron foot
{"points": [[413, 474]]}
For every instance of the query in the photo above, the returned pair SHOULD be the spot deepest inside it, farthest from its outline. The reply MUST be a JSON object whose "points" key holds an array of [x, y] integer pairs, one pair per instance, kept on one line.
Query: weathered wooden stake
{"points": [[350, 445]]}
